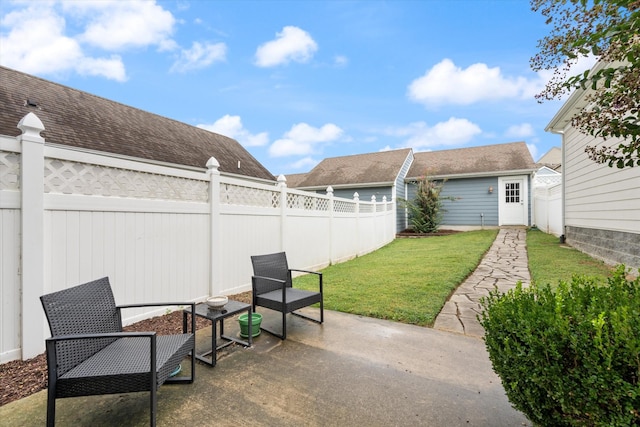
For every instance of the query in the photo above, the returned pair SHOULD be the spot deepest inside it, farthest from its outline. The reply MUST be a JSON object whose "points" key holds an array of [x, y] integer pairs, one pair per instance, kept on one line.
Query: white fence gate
{"points": [[548, 209], [160, 233]]}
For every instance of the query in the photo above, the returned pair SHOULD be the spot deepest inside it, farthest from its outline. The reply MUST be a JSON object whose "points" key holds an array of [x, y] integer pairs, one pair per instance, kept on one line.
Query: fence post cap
{"points": [[212, 163], [31, 125]]}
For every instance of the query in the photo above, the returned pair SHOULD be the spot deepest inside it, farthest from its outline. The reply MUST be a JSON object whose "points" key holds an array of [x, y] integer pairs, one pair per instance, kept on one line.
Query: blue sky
{"points": [[298, 81]]}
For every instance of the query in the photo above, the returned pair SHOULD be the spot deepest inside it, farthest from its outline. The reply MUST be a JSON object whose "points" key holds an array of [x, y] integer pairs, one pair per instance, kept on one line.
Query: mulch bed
{"points": [[19, 379], [412, 234]]}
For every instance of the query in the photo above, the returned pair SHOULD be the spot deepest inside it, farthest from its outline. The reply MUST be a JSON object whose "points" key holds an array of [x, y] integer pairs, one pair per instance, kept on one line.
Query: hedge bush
{"points": [[570, 356]]}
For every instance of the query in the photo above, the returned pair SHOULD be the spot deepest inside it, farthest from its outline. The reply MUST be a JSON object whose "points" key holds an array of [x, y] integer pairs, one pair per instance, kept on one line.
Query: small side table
{"points": [[218, 316]]}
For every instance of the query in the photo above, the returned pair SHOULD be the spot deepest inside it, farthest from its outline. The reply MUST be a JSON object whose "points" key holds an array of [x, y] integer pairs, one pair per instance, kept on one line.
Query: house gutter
{"points": [[477, 174], [340, 186]]}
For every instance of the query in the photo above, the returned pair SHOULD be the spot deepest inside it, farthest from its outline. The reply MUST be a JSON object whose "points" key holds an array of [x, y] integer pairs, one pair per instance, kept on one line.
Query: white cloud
{"points": [[446, 83], [420, 136], [305, 133], [341, 61], [292, 44], [303, 139], [232, 127], [289, 147], [111, 68], [306, 163], [118, 25], [199, 56], [36, 43], [523, 130]]}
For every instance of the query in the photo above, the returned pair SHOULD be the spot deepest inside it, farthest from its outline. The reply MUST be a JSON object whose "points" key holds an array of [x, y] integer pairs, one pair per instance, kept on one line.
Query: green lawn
{"points": [[408, 280], [550, 262]]}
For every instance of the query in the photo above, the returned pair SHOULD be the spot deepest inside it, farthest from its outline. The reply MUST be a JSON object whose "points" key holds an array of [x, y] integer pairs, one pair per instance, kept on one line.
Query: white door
{"points": [[512, 209]]}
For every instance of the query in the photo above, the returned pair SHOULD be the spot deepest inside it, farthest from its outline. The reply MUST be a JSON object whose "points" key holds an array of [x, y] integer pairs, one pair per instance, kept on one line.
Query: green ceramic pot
{"points": [[256, 319]]}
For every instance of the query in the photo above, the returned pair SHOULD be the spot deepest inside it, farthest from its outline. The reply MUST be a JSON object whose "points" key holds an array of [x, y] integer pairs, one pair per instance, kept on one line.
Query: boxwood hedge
{"points": [[569, 356]]}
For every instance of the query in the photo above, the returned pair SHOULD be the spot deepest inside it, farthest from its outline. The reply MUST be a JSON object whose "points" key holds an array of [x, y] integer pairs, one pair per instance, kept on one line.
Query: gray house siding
{"points": [[473, 204]]}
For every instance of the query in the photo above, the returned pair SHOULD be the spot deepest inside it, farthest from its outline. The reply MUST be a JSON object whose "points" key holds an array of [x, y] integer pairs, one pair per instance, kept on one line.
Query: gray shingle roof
{"points": [[370, 168], [294, 179], [514, 156], [79, 119]]}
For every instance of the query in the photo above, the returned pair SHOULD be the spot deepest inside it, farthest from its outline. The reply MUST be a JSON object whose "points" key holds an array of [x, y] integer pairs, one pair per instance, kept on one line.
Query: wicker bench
{"points": [[89, 354]]}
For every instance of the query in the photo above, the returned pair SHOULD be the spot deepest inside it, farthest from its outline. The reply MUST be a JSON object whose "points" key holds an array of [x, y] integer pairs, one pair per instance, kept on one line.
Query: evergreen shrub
{"points": [[569, 356], [426, 211]]}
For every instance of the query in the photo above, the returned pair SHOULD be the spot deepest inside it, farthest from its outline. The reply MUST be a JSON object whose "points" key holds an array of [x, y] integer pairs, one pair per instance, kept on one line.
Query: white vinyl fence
{"points": [[160, 233], [548, 209]]}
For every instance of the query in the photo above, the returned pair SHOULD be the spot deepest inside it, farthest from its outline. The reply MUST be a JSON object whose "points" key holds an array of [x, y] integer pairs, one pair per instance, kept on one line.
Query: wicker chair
{"points": [[272, 288], [88, 354]]}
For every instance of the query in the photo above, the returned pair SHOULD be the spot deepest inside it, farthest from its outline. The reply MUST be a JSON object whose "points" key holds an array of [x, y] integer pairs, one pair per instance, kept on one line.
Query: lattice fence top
{"points": [[546, 180], [72, 177], [9, 171], [68, 177], [344, 206], [307, 202], [234, 194]]}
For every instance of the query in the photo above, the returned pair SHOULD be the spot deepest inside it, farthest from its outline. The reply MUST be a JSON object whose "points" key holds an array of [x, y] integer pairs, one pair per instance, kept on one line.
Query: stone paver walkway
{"points": [[504, 265]]}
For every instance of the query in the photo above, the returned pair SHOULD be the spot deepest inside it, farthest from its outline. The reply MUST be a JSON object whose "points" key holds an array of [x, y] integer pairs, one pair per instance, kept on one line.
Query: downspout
{"points": [[405, 216], [531, 210], [564, 188]]}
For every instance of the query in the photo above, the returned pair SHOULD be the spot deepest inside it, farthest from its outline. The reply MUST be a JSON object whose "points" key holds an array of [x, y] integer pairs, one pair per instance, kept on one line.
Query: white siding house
{"points": [[601, 204]]}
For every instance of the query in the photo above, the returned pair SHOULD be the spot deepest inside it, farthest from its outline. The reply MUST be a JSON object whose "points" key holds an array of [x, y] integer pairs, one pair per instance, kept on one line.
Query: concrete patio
{"points": [[351, 370]]}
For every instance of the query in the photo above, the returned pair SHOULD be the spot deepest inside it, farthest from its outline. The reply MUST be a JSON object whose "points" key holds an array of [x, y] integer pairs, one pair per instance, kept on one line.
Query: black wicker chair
{"points": [[272, 288], [89, 354]]}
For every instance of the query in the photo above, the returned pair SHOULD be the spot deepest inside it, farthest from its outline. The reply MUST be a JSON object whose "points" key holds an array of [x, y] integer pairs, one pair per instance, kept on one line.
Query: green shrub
{"points": [[569, 356], [425, 211]]}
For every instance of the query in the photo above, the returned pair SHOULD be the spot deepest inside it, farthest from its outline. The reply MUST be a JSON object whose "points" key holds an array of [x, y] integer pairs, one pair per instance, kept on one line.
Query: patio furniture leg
{"points": [[154, 405], [284, 325], [154, 383], [53, 383], [51, 409]]}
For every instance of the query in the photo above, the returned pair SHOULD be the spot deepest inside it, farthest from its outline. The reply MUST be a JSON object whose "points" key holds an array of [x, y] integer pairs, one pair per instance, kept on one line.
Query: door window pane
{"points": [[512, 192]]}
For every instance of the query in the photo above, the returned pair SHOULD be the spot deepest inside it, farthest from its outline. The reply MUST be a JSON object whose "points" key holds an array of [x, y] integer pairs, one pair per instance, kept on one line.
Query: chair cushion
{"points": [[123, 366], [296, 299]]}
